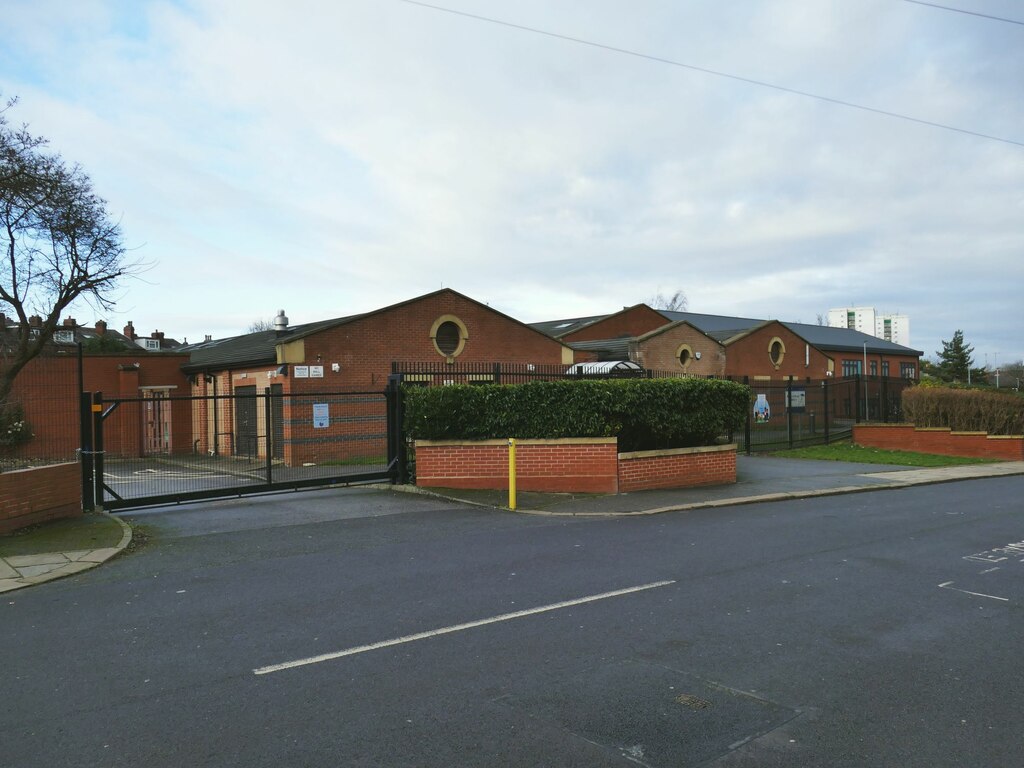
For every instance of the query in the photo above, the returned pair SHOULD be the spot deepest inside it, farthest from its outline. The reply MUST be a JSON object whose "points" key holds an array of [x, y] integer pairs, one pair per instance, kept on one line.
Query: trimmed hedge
{"points": [[645, 414], [965, 410]]}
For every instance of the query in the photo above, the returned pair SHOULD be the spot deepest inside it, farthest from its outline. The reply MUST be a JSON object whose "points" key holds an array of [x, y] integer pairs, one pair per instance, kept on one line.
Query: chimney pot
{"points": [[208, 338], [129, 331], [101, 327], [158, 335], [70, 322]]}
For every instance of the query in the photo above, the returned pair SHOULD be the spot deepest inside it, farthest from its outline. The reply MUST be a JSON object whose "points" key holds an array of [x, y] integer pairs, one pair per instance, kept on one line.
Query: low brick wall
{"points": [[570, 465], [678, 468], [30, 496], [907, 437]]}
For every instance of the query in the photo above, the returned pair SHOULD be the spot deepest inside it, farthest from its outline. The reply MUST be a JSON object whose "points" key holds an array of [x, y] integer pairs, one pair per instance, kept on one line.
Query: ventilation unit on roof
{"points": [[281, 321]]}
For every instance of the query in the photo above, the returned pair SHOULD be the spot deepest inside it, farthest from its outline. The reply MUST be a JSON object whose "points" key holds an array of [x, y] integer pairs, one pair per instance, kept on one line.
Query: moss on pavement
{"points": [[91, 531]]}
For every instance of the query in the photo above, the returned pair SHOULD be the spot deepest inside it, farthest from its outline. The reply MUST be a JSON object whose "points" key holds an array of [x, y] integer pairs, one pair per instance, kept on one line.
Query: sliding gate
{"points": [[253, 441]]}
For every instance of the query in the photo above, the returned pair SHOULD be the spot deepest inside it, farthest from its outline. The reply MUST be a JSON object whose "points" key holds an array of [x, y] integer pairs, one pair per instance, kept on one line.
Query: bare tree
{"points": [[677, 302], [59, 243], [263, 324]]}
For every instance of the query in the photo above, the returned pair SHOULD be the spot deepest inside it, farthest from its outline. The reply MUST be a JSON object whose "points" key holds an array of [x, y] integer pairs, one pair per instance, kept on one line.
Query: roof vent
{"points": [[281, 321]]}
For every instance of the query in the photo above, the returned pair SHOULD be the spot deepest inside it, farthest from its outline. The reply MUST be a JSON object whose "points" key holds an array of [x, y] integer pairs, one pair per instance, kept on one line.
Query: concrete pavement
{"points": [[29, 568], [759, 479]]}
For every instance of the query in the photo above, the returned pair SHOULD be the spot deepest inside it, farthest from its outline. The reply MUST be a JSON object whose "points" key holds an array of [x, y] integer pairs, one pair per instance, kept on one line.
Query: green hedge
{"points": [[645, 414], [965, 410]]}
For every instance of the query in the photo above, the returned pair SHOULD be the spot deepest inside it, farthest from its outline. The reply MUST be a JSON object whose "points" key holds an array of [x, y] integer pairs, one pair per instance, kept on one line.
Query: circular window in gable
{"points": [[776, 351], [449, 336], [685, 355]]}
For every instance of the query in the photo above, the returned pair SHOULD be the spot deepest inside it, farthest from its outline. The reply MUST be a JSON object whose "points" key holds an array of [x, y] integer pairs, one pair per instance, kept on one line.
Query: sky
{"points": [[552, 160]]}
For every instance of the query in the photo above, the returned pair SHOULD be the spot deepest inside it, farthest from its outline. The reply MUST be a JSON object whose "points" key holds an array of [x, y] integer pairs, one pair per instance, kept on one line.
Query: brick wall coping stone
{"points": [[522, 441], [905, 425], [678, 451]]}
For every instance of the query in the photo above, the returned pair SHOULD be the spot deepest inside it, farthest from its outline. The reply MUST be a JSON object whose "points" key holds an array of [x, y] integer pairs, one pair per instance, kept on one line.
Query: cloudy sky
{"points": [[331, 158]]}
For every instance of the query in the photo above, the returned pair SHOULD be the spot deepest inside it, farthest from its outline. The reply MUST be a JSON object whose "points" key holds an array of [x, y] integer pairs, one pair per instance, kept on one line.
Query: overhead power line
{"points": [[716, 73], [961, 10]]}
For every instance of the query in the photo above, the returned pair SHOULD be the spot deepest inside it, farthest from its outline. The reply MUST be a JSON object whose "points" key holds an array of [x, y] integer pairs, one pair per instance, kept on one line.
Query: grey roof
{"points": [[721, 328], [606, 349], [712, 324], [260, 348], [250, 348], [847, 340], [558, 328]]}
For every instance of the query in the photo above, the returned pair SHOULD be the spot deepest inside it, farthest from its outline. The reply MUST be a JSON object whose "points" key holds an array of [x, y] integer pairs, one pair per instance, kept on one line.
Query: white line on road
{"points": [[456, 628], [945, 585]]}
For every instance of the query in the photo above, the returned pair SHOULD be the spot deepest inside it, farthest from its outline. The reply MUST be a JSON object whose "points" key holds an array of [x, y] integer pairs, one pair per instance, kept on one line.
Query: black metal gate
{"points": [[273, 441], [796, 413]]}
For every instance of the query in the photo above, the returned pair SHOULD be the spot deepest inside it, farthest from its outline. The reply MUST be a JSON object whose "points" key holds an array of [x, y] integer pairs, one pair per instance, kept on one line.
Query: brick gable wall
{"points": [[634, 321], [659, 352]]}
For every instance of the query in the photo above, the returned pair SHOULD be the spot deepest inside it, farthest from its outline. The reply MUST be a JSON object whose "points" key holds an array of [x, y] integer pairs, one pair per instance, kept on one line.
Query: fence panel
{"points": [[173, 449]]}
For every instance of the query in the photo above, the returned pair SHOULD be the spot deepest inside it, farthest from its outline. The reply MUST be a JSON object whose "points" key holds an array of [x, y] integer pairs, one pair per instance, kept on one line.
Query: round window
{"points": [[448, 337], [776, 351], [685, 355]]}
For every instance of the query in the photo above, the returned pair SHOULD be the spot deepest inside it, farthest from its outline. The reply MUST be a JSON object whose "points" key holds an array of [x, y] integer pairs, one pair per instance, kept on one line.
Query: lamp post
{"points": [[865, 376]]}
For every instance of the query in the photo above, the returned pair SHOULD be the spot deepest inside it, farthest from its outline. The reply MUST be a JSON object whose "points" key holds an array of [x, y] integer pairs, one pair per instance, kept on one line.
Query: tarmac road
{"points": [[365, 628]]}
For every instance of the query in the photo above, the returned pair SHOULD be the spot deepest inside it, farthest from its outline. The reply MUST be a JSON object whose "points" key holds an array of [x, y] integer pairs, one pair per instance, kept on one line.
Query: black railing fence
{"points": [[147, 450], [158, 448], [793, 414], [783, 414]]}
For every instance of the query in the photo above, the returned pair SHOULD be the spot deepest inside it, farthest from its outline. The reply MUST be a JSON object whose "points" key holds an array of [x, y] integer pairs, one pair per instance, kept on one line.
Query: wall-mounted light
{"points": [[336, 367]]}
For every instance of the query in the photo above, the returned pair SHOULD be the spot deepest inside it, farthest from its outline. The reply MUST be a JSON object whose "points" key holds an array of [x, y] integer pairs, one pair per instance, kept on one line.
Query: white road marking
{"points": [[456, 628], [945, 585]]}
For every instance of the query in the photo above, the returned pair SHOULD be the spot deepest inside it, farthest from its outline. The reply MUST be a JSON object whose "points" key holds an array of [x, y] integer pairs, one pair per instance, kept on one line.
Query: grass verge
{"points": [[86, 532], [846, 451]]}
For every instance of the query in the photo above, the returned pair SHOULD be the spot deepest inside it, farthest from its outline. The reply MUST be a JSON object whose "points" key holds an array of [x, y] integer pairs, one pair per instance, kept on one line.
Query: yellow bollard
{"points": [[511, 473]]}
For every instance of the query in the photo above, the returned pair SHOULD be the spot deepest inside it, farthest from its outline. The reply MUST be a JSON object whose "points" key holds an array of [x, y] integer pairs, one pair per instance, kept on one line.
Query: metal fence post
{"points": [[96, 406], [825, 392], [268, 433], [746, 424], [85, 452], [398, 458], [789, 410], [856, 397]]}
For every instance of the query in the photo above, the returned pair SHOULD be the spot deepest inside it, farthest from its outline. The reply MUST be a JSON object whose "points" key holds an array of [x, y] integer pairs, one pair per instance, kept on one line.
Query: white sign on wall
{"points": [[316, 371], [321, 415], [300, 372]]}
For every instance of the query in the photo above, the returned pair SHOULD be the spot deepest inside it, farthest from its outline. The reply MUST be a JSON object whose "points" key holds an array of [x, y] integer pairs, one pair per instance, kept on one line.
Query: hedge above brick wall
{"points": [[644, 414]]}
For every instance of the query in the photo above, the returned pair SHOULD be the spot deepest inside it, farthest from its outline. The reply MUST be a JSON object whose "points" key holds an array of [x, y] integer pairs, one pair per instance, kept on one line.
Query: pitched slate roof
{"points": [[260, 348], [847, 340], [607, 349], [556, 329], [722, 328], [250, 348]]}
